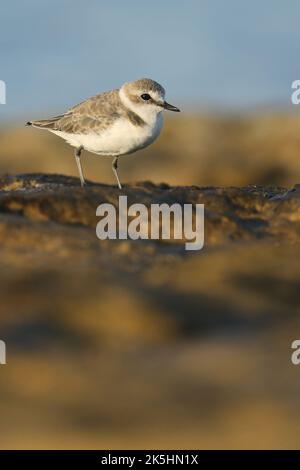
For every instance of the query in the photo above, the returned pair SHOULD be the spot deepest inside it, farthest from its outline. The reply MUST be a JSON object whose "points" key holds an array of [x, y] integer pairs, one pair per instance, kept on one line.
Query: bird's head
{"points": [[145, 97]]}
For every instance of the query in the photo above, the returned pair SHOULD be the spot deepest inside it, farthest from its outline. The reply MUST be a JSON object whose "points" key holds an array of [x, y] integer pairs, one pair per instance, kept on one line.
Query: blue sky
{"points": [[215, 54]]}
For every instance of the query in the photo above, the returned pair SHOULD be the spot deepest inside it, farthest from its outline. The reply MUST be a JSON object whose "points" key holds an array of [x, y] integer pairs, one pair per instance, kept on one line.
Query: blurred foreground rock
{"points": [[126, 344]]}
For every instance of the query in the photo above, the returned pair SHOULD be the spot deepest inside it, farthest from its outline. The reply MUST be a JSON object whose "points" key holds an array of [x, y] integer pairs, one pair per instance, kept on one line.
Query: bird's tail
{"points": [[45, 123]]}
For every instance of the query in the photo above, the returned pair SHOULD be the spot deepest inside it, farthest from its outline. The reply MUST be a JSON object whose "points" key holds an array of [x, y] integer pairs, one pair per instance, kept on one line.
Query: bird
{"points": [[113, 123]]}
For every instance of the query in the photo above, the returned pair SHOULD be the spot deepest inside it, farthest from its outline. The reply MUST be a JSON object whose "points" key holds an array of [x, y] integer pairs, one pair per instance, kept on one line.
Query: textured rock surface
{"points": [[139, 343]]}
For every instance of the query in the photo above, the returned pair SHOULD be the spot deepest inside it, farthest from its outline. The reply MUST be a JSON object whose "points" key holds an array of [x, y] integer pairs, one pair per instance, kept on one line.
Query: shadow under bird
{"points": [[113, 123]]}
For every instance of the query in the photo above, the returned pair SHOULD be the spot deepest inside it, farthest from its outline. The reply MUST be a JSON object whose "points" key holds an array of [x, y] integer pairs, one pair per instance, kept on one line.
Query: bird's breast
{"points": [[124, 137]]}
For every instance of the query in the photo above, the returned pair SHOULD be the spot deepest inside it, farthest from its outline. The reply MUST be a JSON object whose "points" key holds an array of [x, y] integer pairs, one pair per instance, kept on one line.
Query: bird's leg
{"points": [[77, 158], [115, 170]]}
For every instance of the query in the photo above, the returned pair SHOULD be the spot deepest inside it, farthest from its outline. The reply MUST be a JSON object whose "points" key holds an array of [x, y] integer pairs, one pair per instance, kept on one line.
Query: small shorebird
{"points": [[113, 123]]}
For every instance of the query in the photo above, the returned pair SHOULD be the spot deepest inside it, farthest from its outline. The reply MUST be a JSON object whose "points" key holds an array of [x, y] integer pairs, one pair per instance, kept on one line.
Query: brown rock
{"points": [[140, 343]]}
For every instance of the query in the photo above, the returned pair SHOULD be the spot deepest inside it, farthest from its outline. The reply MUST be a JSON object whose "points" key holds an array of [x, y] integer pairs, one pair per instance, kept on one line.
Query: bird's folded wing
{"points": [[91, 116], [75, 123]]}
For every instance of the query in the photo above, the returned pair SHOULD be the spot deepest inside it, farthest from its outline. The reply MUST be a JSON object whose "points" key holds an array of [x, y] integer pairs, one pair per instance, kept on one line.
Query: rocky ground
{"points": [[140, 343]]}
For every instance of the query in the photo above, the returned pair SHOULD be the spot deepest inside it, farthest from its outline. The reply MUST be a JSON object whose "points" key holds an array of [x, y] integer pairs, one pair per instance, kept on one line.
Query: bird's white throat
{"points": [[149, 114]]}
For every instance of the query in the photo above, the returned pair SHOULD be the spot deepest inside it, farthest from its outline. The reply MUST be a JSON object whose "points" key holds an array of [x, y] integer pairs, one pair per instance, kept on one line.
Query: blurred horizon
{"points": [[199, 51]]}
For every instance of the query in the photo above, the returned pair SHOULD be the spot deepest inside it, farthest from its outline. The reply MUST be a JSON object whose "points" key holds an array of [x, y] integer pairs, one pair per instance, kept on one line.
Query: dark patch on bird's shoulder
{"points": [[134, 118]]}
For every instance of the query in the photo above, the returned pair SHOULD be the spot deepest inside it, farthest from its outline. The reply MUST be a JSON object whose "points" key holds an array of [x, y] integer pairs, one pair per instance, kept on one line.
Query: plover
{"points": [[113, 123]]}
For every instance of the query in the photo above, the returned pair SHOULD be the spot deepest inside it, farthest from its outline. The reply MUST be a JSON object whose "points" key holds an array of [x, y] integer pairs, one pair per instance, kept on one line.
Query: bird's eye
{"points": [[146, 97]]}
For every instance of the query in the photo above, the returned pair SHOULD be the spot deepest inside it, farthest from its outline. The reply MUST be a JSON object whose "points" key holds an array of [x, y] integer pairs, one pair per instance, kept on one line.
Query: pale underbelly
{"points": [[120, 139]]}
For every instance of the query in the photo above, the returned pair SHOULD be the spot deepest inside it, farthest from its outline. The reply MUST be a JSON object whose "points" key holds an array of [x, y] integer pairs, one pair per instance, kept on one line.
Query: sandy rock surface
{"points": [[140, 343]]}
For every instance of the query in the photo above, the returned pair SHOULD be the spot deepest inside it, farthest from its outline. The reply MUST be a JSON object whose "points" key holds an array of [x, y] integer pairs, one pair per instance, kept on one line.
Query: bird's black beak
{"points": [[170, 107]]}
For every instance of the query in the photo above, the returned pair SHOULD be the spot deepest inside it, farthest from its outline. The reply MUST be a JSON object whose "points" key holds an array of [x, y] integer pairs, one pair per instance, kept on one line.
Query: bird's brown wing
{"points": [[93, 115]]}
